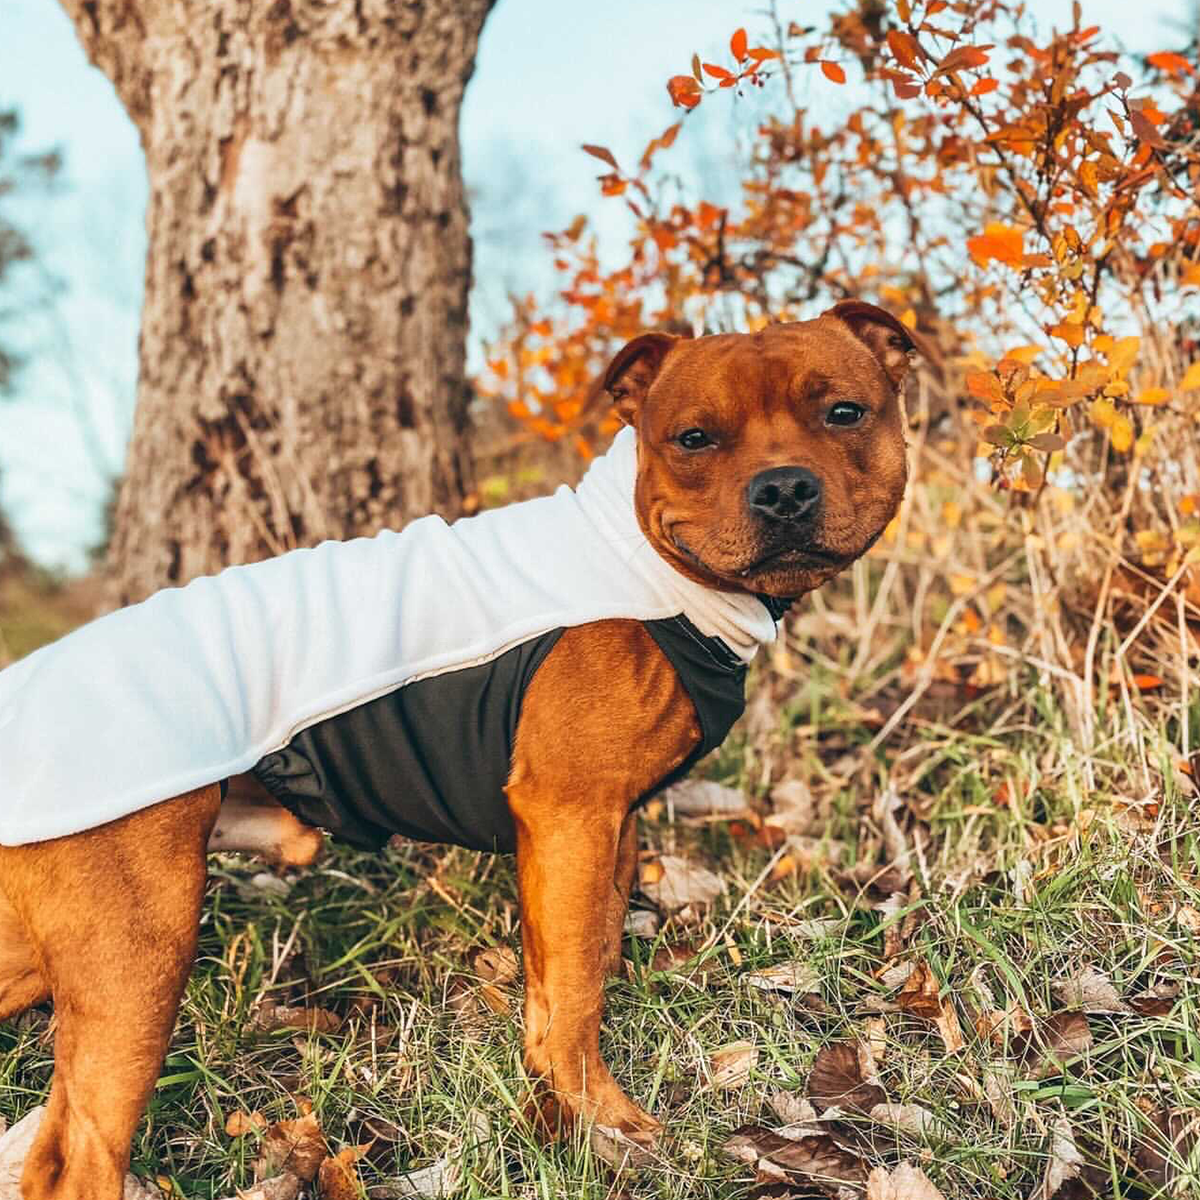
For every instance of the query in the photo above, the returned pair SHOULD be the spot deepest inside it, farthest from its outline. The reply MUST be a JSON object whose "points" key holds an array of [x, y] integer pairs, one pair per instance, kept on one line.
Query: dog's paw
{"points": [[599, 1102]]}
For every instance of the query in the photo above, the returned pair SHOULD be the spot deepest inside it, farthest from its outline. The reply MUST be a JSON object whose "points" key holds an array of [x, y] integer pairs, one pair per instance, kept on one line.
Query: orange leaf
{"points": [[984, 385], [761, 53], [905, 48], [717, 72], [964, 58], [1005, 243], [985, 85], [1069, 331], [1191, 377], [603, 154], [1144, 128], [1174, 64], [832, 71], [1146, 683], [737, 44], [684, 91]]}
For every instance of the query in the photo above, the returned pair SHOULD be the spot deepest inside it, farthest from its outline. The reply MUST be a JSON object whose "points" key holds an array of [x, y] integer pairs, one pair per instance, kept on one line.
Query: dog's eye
{"points": [[845, 413], [694, 439]]}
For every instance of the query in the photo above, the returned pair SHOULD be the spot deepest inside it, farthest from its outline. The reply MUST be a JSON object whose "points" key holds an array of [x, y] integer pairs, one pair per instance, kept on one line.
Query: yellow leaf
{"points": [[1152, 541], [1103, 344], [1191, 377], [1154, 395], [1123, 354], [962, 585], [908, 319], [951, 514], [1121, 434], [1104, 413]]}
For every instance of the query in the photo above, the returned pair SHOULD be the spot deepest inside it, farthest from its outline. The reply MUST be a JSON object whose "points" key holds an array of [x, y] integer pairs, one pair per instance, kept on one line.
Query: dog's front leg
{"points": [[603, 721], [565, 874], [618, 896]]}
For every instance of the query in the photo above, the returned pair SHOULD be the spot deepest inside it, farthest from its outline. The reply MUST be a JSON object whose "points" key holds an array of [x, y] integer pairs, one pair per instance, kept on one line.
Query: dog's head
{"points": [[768, 462]]}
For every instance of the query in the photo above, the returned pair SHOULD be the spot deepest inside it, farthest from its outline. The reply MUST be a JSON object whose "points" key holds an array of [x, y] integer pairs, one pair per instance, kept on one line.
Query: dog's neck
{"points": [[606, 495]]}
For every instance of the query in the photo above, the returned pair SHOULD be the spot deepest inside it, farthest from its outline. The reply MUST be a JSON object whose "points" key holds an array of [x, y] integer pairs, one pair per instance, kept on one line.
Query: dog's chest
{"points": [[430, 760]]}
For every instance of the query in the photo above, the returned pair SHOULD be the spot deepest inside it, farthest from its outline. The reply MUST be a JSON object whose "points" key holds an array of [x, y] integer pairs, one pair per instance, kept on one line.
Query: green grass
{"points": [[1031, 861]]}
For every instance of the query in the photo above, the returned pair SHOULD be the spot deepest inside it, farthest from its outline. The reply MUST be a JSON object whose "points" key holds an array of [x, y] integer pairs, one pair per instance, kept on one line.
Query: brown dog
{"points": [[766, 464]]}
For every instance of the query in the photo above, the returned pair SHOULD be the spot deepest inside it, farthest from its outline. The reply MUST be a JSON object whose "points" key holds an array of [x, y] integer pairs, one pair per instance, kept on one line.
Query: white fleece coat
{"points": [[200, 682]]}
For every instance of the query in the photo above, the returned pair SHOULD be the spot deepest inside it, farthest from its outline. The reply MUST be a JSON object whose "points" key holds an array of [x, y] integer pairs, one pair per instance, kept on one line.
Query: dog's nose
{"points": [[784, 493]]}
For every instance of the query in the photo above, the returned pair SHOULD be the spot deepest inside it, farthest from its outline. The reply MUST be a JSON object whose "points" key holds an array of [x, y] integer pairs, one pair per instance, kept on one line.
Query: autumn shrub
{"points": [[1025, 199]]}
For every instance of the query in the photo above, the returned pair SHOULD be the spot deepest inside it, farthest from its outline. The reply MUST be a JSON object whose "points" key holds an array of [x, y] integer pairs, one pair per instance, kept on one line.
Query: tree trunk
{"points": [[302, 368]]}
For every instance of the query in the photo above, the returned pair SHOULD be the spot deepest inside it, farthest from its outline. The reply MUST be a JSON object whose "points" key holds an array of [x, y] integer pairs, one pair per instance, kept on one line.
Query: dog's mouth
{"points": [[783, 558], [796, 558]]}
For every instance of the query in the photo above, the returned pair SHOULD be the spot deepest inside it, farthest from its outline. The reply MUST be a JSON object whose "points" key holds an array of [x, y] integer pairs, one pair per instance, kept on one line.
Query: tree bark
{"points": [[302, 369]]}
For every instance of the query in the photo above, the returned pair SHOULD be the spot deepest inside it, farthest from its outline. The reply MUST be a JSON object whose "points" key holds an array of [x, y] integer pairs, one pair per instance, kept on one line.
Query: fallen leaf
{"points": [[1090, 990], [641, 923], [295, 1146], [914, 1119], [792, 1108], [897, 973], [681, 883], [705, 798], [1188, 918], [921, 997], [495, 999], [434, 1182], [906, 1182], [1052, 1043], [883, 810], [674, 957], [998, 1025], [239, 1123], [619, 1150], [278, 1187], [836, 1081], [269, 1017], [795, 976], [1064, 1161], [794, 808], [820, 1158], [730, 1066], [1156, 1001], [495, 964], [998, 1091], [338, 1178], [1162, 1157]]}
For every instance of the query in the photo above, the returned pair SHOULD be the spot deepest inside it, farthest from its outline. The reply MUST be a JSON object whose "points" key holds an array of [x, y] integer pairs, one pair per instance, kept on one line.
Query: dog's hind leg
{"points": [[112, 917], [252, 821]]}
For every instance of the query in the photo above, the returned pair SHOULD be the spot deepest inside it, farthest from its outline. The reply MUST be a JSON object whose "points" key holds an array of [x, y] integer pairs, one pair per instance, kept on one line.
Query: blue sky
{"points": [[549, 75]]}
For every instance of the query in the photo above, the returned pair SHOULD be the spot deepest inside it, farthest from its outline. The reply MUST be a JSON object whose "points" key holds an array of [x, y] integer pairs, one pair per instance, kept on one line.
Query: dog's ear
{"points": [[885, 336], [634, 369]]}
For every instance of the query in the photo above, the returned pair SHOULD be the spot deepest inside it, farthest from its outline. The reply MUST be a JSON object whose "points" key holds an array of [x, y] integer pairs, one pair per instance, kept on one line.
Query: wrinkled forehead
{"points": [[781, 364]]}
